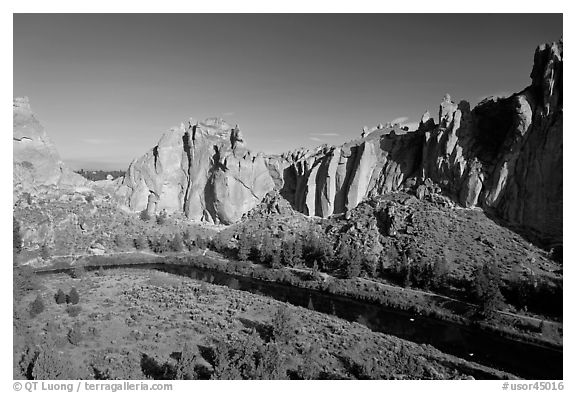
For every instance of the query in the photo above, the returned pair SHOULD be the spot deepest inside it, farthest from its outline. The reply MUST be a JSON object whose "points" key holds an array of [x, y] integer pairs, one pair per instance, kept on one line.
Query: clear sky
{"points": [[107, 86]]}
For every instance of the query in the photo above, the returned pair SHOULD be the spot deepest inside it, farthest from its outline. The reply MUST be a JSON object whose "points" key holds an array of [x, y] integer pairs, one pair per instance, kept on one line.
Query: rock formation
{"points": [[35, 158], [201, 169], [505, 155]]}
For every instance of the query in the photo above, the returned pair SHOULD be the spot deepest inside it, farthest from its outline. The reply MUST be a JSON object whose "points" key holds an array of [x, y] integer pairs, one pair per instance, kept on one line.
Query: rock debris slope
{"points": [[201, 169], [504, 155]]}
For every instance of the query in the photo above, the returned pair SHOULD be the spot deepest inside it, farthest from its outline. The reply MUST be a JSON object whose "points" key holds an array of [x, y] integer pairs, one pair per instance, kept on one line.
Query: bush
{"points": [[176, 243], [141, 243], [161, 218], [73, 311], [49, 364], [73, 297], [60, 297], [186, 363], [244, 245], [145, 216], [486, 289], [120, 242], [161, 245], [37, 306], [44, 252], [248, 359], [24, 280], [283, 328], [78, 272], [16, 237], [75, 334]]}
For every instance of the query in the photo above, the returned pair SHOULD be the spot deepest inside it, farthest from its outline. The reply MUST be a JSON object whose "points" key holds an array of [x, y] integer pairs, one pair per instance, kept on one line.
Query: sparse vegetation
{"points": [[73, 310]]}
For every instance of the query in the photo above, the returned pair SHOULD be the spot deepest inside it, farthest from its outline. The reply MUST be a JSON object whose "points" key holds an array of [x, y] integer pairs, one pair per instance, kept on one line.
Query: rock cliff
{"points": [[504, 155], [201, 169], [35, 158]]}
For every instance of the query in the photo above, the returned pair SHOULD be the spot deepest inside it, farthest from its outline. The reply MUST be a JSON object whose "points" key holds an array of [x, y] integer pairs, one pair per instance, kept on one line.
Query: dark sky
{"points": [[107, 86]]}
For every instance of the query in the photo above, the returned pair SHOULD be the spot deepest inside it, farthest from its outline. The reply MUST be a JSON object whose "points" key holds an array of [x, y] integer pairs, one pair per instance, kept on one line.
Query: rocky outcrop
{"points": [[504, 155], [201, 169], [333, 180], [35, 158]]}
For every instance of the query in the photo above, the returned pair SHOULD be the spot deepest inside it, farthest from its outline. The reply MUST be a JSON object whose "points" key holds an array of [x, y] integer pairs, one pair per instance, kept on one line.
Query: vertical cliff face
{"points": [[333, 180], [201, 169], [504, 155], [35, 158]]}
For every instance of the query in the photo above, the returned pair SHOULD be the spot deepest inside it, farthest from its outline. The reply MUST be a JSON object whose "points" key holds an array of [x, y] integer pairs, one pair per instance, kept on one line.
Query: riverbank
{"points": [[135, 324], [508, 326]]}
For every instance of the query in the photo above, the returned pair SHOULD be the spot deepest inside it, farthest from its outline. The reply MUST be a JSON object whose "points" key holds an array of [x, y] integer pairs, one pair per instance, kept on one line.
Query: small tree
{"points": [[16, 237], [161, 218], [486, 289], [283, 328], [44, 252], [244, 245], [141, 243], [37, 306], [186, 363], [73, 297], [120, 241], [176, 243], [145, 216], [50, 365], [60, 297], [75, 334]]}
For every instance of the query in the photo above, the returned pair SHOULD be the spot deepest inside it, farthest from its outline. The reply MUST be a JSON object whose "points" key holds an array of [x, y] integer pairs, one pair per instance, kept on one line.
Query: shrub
{"points": [[49, 364], [120, 242], [73, 311], [24, 280], [161, 245], [486, 289], [89, 198], [186, 363], [176, 243], [73, 297], [37, 306], [141, 243], [283, 328], [145, 216], [44, 252], [16, 237], [244, 245], [75, 334], [60, 297], [161, 218], [77, 272]]}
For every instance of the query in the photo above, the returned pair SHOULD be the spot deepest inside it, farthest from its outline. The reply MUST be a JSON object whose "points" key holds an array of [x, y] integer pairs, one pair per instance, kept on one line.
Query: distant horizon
{"points": [[107, 86]]}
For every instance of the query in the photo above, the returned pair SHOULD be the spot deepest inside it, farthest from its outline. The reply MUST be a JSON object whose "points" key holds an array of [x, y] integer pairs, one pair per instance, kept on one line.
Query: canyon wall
{"points": [[36, 161], [504, 155], [202, 169]]}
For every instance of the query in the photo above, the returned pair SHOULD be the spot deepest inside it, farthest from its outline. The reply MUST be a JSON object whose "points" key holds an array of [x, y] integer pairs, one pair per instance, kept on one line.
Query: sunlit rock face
{"points": [[36, 161], [202, 169], [504, 155]]}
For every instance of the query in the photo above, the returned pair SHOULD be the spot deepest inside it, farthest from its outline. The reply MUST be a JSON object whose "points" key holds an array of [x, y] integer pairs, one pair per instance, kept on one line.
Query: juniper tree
{"points": [[73, 297], [60, 297]]}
